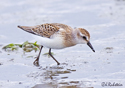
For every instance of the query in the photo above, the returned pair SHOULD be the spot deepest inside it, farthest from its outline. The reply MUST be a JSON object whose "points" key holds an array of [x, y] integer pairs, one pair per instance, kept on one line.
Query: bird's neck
{"points": [[76, 35]]}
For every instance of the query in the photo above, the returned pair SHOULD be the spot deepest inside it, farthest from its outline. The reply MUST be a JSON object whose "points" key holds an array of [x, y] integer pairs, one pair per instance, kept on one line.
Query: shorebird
{"points": [[58, 36]]}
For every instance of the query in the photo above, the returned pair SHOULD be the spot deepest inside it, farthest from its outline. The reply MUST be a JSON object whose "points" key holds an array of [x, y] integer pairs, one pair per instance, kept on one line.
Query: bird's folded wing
{"points": [[44, 30]]}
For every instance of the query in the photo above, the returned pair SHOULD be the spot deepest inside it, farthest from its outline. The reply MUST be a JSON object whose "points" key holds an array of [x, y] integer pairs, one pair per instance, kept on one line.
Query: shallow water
{"points": [[80, 67]]}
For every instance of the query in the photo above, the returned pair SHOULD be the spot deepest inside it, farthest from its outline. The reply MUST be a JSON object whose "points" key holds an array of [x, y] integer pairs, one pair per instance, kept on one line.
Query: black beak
{"points": [[89, 44]]}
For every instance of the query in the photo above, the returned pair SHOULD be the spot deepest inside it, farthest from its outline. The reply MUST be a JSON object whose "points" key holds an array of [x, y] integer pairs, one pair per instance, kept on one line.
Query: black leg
{"points": [[36, 62], [53, 57]]}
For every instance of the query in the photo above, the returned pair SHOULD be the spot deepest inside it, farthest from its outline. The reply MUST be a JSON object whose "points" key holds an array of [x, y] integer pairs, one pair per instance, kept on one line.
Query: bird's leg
{"points": [[36, 62], [53, 57]]}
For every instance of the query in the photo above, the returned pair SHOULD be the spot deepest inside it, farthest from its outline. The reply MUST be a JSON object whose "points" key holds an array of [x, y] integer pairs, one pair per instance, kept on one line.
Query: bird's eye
{"points": [[84, 37]]}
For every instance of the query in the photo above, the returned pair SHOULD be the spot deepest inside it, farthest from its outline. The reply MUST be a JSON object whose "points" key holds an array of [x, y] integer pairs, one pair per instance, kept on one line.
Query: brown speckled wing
{"points": [[44, 30]]}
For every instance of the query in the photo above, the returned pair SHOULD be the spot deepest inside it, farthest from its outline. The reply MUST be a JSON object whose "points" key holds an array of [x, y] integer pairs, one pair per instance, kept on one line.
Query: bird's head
{"points": [[84, 37]]}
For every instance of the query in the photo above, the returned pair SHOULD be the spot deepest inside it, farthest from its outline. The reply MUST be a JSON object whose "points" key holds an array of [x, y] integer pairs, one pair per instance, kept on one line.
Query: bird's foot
{"points": [[36, 63], [58, 63]]}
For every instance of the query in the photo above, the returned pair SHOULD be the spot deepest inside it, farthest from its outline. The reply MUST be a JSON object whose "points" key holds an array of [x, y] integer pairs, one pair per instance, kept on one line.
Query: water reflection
{"points": [[52, 72], [51, 76], [56, 86]]}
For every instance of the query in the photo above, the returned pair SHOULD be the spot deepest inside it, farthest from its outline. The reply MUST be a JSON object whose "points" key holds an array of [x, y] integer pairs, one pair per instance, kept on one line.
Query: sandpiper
{"points": [[58, 36]]}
